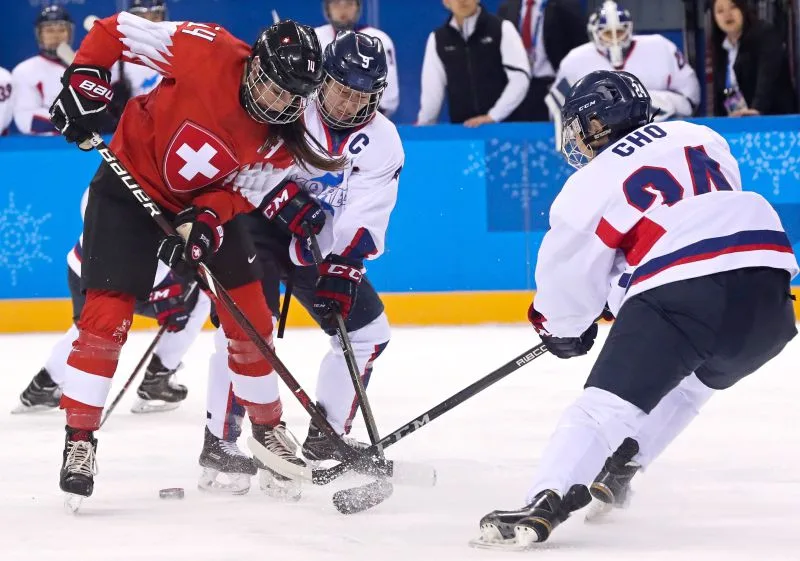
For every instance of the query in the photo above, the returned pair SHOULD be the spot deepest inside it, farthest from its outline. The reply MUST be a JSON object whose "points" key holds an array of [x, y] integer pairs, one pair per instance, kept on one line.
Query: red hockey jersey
{"points": [[187, 140]]}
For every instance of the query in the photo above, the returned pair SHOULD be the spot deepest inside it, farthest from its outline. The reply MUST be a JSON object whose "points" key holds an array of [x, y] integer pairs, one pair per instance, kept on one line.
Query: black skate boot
{"points": [[612, 486], [519, 529], [79, 467], [42, 394], [226, 469], [281, 443], [317, 447], [159, 391]]}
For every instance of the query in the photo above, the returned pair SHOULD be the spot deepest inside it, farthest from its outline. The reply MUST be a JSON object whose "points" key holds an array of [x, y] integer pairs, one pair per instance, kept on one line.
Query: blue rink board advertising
{"points": [[471, 211]]}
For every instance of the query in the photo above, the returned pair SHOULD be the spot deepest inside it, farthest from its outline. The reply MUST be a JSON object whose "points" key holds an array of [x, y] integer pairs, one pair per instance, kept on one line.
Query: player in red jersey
{"points": [[213, 140]]}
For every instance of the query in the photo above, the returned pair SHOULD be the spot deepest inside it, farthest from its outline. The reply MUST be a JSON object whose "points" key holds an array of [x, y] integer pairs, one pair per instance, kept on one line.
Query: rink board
{"points": [[461, 247], [461, 308]]}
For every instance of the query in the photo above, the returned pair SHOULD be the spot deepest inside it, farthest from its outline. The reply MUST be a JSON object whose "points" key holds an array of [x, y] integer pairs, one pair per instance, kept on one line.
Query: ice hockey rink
{"points": [[729, 488]]}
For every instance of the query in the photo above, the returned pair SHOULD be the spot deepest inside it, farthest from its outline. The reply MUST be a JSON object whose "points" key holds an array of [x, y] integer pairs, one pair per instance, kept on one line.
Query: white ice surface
{"points": [[728, 489]]}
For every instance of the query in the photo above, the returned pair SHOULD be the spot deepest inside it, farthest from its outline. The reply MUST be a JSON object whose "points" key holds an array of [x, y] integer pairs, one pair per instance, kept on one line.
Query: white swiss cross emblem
{"points": [[196, 158]]}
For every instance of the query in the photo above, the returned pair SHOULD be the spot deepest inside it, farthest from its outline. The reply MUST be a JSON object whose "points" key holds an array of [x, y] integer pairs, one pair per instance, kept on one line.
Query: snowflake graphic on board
{"points": [[774, 156], [20, 239]]}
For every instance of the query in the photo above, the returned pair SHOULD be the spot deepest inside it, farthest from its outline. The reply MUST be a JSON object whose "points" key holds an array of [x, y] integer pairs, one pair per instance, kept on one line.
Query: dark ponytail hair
{"points": [[306, 150]]}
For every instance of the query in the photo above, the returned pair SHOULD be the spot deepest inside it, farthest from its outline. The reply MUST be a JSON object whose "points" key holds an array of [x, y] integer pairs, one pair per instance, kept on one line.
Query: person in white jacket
{"points": [[37, 80], [477, 61]]}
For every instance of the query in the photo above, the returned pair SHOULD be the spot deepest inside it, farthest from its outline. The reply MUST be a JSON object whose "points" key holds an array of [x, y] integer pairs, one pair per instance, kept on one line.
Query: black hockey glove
{"points": [[170, 305], [199, 235], [337, 286], [292, 209], [78, 111], [563, 347]]}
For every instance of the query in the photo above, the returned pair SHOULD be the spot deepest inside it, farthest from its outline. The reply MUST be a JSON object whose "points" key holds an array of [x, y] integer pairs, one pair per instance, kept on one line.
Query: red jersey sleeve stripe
{"points": [[636, 243]]}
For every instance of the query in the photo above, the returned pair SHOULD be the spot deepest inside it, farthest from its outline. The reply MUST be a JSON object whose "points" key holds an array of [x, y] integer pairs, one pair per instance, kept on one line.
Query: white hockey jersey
{"points": [[391, 96], [6, 100], [660, 205], [654, 59], [359, 199], [37, 82]]}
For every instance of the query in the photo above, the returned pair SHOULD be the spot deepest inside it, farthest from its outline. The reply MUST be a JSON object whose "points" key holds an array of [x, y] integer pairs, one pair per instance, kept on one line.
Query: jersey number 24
{"points": [[705, 174]]}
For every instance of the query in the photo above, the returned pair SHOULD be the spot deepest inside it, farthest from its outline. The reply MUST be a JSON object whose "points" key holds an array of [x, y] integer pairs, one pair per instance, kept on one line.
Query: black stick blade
{"points": [[359, 499]]}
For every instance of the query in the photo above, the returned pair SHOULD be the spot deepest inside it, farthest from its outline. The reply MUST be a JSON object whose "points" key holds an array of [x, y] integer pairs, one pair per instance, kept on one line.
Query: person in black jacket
{"points": [[751, 66], [479, 61], [549, 29]]}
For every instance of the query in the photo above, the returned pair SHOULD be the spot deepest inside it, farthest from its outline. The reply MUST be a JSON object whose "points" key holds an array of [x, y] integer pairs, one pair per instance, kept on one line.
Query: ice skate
{"points": [[612, 487], [318, 448], [279, 441], [226, 469], [78, 468], [42, 394], [158, 391], [518, 530]]}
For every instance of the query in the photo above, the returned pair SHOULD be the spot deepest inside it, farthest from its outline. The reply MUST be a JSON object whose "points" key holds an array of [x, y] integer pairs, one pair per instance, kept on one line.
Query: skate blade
{"points": [[277, 487], [277, 464], [491, 538], [72, 502], [217, 482], [153, 405], [598, 513], [22, 409]]}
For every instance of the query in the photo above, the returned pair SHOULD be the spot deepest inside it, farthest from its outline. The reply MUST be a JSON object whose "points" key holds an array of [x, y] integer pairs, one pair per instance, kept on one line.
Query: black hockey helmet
{"points": [[284, 71], [355, 78], [341, 25], [148, 9], [49, 15], [617, 101]]}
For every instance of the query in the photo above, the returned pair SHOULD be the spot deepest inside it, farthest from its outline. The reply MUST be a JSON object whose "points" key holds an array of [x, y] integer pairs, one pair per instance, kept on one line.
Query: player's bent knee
{"points": [[376, 332], [245, 358], [613, 416]]}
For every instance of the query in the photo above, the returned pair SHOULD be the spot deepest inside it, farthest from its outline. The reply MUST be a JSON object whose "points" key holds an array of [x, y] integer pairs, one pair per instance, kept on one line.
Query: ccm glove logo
{"points": [[279, 201], [342, 271]]}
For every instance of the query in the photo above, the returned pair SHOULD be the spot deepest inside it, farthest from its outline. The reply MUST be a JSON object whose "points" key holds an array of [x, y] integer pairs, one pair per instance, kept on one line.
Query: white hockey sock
{"points": [[219, 405], [588, 431], [173, 346], [670, 417], [56, 364], [335, 390], [219, 387]]}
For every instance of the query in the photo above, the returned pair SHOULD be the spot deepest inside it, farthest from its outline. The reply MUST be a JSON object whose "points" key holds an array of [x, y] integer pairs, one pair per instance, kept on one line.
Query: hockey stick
{"points": [[147, 354], [287, 297], [221, 297], [349, 355], [325, 476], [356, 499]]}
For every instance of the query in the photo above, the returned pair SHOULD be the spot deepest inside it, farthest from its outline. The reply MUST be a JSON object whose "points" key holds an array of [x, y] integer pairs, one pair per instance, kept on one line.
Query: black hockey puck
{"points": [[171, 493]]}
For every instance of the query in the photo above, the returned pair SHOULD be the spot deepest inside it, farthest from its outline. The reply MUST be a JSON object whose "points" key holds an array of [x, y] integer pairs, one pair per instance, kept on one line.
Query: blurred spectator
{"points": [[37, 80], [480, 61], [751, 66], [654, 59], [549, 29], [343, 15], [6, 101]]}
